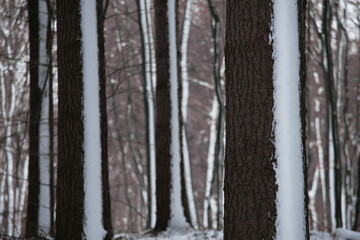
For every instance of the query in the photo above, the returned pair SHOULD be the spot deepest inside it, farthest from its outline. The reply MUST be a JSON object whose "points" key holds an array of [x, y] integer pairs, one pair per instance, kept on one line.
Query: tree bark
{"points": [[255, 144], [106, 206], [162, 133], [35, 106], [250, 188], [168, 120], [303, 111], [331, 98], [74, 117], [70, 176]]}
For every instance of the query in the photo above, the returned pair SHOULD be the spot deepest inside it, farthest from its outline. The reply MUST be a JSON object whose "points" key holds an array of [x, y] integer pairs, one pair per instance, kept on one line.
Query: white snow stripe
{"points": [[177, 218], [289, 171], [93, 228], [184, 111], [149, 78]]}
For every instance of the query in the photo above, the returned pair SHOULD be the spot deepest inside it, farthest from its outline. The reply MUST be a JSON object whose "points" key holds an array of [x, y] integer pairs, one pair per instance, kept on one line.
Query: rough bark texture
{"points": [[103, 115], [303, 111], [250, 188], [35, 107], [163, 108], [70, 180]]}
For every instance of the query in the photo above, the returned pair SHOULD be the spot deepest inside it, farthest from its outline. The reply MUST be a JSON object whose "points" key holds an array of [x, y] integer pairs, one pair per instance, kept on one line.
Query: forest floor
{"points": [[189, 234]]}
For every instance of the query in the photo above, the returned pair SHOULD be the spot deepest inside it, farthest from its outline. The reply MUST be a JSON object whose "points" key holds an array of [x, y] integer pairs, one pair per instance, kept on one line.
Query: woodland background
{"points": [[333, 46]]}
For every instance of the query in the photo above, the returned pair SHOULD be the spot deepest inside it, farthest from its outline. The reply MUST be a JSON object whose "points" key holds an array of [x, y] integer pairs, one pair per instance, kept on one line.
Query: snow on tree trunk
{"points": [[44, 131], [184, 111], [312, 201], [210, 160], [320, 154], [177, 218], [22, 199], [145, 19], [250, 153], [93, 227], [291, 216], [152, 48]]}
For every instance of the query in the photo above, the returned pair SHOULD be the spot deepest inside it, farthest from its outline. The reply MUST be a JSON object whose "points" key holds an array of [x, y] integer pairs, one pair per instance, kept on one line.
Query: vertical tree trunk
{"points": [[147, 57], [301, 11], [70, 175], [35, 107], [83, 203], [44, 126], [106, 206], [250, 188], [49, 44], [187, 176], [258, 202], [219, 145], [39, 203], [168, 180], [331, 98]]}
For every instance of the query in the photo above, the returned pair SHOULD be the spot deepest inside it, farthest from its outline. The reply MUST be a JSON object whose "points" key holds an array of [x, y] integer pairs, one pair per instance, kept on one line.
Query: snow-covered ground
{"points": [[190, 234], [182, 234]]}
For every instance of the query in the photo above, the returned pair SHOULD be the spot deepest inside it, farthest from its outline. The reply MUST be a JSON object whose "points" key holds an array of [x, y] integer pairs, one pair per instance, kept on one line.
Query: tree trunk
{"points": [[258, 160], [331, 98], [39, 203], [83, 201], [188, 193], [250, 188], [168, 175], [70, 175], [35, 107], [147, 45], [106, 206]]}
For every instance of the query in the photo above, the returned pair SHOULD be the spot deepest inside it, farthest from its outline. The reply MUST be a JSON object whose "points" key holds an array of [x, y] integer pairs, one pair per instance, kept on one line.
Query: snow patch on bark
{"points": [[93, 228], [210, 159], [184, 111], [290, 223], [150, 77], [177, 218]]}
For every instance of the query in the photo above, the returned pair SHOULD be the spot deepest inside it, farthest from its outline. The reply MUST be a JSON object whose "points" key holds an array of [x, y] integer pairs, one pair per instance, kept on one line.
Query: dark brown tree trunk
{"points": [[250, 188], [70, 187], [250, 179], [163, 136], [162, 133], [35, 107], [303, 110], [106, 215], [70, 178]]}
